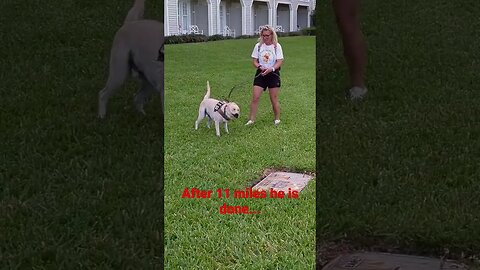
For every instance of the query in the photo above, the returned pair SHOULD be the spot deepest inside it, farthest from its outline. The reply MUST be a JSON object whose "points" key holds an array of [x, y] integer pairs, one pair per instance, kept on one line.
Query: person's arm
{"points": [[255, 62], [278, 64], [279, 55], [255, 57]]}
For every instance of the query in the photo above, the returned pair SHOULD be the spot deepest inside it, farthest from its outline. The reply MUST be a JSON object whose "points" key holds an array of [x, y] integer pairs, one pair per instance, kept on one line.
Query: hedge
{"points": [[192, 38]]}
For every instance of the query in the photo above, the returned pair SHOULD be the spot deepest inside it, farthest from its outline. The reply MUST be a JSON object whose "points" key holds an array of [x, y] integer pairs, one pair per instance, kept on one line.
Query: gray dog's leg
{"points": [[200, 117], [118, 72], [217, 128], [226, 127], [142, 95], [209, 122]]}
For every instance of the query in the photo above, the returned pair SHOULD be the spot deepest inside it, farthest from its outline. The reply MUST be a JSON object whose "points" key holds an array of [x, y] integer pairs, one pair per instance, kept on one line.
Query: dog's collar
{"points": [[218, 108]]}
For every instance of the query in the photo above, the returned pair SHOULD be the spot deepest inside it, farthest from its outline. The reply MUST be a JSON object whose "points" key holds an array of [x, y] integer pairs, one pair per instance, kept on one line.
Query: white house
{"points": [[235, 17]]}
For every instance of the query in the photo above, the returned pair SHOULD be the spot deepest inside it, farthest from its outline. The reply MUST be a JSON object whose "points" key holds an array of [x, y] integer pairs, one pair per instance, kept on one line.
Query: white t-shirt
{"points": [[268, 54]]}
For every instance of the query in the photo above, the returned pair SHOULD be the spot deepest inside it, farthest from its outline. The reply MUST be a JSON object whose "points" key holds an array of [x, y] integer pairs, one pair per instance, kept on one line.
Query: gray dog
{"points": [[217, 111], [137, 50]]}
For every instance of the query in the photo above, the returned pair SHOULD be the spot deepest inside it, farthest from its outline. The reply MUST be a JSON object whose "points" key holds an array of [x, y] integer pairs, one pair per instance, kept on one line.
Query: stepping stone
{"points": [[387, 261], [283, 181]]}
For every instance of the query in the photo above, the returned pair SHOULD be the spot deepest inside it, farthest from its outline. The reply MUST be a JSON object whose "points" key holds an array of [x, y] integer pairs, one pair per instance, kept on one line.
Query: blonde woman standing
{"points": [[267, 58]]}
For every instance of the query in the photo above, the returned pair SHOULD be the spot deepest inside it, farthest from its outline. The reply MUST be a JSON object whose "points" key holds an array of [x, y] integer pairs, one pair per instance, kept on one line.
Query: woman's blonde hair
{"points": [[267, 28]]}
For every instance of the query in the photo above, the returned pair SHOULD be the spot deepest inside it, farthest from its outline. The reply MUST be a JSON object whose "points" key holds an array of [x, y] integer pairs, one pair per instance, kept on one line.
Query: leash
{"points": [[242, 83], [238, 85]]}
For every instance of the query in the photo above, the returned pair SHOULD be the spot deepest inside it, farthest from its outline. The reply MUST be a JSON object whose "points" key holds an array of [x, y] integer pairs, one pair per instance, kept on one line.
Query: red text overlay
{"points": [[248, 193]]}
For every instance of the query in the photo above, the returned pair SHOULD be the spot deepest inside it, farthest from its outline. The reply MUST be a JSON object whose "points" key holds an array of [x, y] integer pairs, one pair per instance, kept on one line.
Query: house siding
{"points": [[171, 25], [253, 13]]}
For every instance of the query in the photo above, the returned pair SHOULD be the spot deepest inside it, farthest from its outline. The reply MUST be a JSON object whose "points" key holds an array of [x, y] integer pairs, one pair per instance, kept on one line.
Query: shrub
{"points": [[289, 34], [218, 37], [192, 38], [246, 36], [309, 31]]}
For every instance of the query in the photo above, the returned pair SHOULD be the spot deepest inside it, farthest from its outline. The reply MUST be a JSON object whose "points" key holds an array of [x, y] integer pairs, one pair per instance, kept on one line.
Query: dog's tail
{"points": [[136, 12], [207, 95]]}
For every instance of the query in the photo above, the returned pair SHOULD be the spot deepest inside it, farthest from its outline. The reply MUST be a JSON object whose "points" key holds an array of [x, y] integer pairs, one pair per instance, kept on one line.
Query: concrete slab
{"points": [[283, 181], [387, 261]]}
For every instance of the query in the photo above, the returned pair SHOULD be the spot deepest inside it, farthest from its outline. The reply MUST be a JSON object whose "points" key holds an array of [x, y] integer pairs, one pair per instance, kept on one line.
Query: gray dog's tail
{"points": [[207, 95], [136, 12]]}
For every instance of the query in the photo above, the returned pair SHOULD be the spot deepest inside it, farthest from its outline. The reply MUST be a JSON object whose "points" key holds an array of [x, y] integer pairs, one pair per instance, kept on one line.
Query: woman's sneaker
{"points": [[356, 93], [249, 123], [276, 122]]}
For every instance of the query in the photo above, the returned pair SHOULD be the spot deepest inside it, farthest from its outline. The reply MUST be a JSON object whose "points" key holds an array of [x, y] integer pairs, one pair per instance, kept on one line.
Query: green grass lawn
{"points": [[400, 171], [197, 236], [75, 192]]}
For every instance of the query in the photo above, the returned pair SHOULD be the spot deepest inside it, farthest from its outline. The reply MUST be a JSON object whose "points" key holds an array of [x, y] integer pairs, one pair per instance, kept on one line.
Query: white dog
{"points": [[216, 110], [138, 50]]}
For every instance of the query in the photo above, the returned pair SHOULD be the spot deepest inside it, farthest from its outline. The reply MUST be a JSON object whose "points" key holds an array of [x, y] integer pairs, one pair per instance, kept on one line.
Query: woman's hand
{"points": [[265, 71]]}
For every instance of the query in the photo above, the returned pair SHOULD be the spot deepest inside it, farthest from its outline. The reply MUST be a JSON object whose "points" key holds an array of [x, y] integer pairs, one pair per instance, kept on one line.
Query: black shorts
{"points": [[271, 80]]}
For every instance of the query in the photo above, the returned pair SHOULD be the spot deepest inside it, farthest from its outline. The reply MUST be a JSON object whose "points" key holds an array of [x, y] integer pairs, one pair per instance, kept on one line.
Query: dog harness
{"points": [[218, 108]]}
